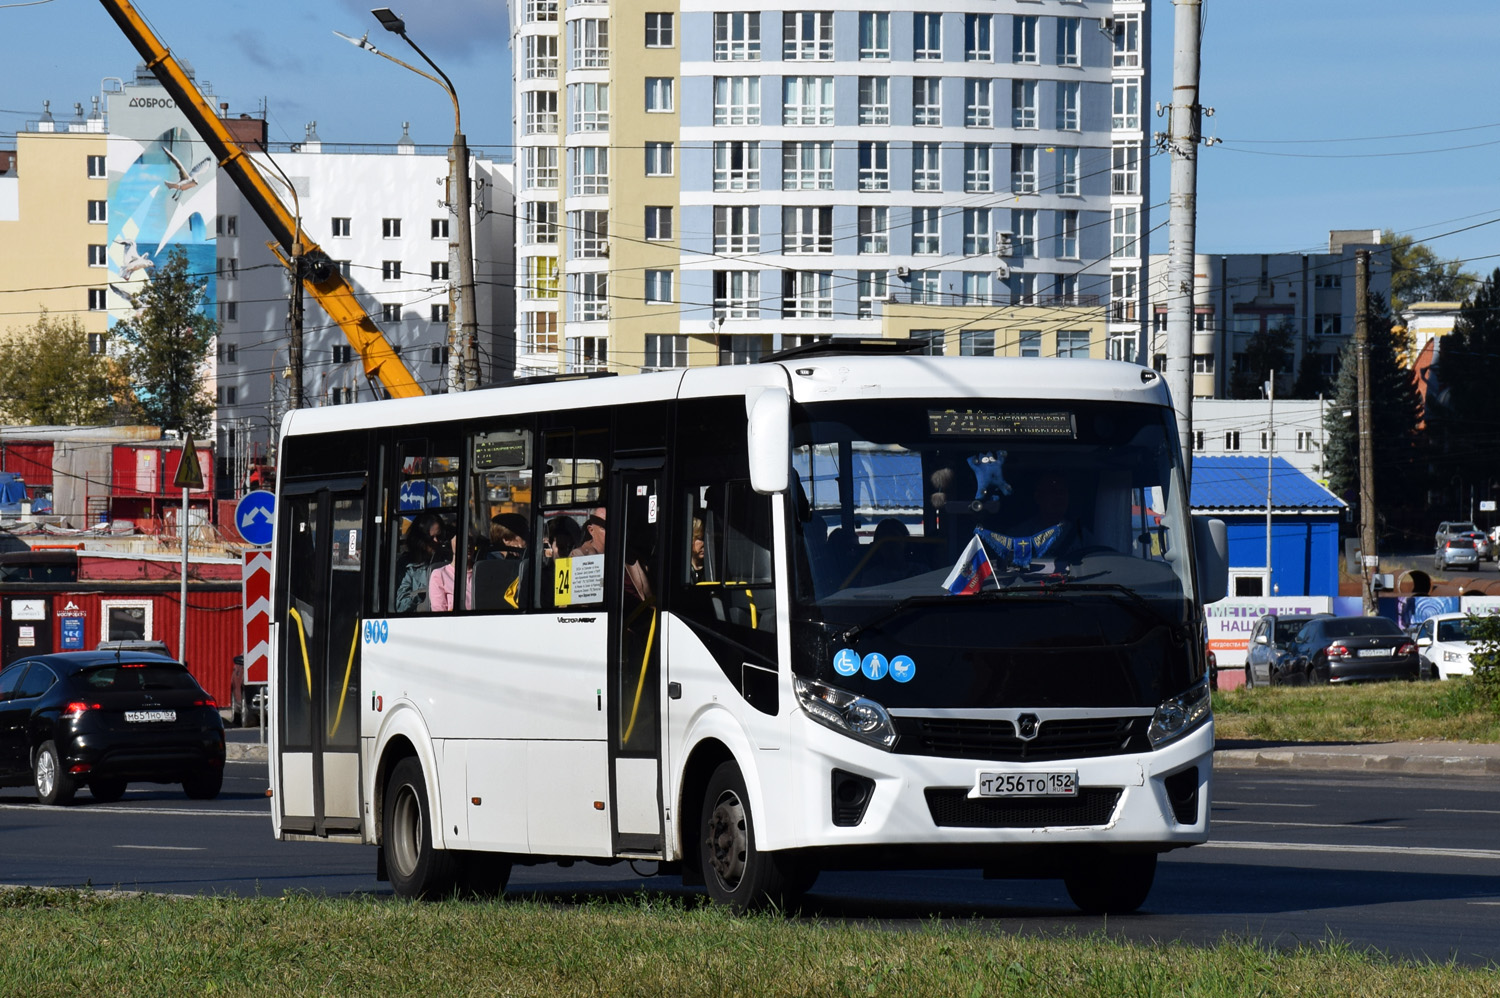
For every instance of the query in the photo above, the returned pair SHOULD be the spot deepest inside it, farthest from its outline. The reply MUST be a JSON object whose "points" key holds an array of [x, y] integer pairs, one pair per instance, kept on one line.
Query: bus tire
{"points": [[417, 869], [735, 873], [1112, 884]]}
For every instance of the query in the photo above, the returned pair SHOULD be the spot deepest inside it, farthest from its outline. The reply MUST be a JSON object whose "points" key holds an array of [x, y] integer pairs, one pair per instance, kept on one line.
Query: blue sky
{"points": [[1301, 74]]}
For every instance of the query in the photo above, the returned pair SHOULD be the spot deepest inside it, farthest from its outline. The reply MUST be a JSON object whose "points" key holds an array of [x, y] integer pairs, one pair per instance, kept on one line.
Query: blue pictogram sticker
{"points": [[903, 668], [376, 631], [385, 630], [875, 666], [845, 662]]}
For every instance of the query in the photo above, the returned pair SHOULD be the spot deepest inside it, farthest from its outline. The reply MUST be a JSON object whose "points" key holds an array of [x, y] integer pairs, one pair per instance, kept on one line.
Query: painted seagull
{"points": [[186, 179], [132, 260]]}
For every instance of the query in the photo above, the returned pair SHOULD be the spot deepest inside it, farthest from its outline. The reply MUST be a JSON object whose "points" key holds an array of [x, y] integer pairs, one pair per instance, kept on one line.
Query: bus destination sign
{"points": [[974, 423]]}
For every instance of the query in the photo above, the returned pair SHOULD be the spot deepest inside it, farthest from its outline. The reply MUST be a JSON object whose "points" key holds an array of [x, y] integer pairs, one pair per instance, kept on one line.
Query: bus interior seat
{"points": [[492, 577]]}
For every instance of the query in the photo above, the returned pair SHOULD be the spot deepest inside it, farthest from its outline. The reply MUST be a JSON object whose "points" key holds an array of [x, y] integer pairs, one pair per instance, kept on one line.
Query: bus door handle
{"points": [[674, 691]]}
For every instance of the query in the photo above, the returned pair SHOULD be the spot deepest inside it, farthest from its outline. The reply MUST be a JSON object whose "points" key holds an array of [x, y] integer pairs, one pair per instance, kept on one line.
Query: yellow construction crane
{"points": [[320, 274]]}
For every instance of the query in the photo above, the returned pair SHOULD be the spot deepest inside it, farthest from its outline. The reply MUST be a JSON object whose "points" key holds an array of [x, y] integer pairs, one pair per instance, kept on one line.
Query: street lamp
{"points": [[458, 186]]}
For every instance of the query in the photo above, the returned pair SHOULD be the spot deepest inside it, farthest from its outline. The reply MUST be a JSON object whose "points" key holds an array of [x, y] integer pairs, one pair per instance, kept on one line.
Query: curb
{"points": [[242, 752], [1368, 762]]}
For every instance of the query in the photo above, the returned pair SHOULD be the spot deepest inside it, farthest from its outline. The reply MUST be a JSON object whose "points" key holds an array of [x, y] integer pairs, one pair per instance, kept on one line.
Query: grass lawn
{"points": [[1368, 712], [69, 943]]}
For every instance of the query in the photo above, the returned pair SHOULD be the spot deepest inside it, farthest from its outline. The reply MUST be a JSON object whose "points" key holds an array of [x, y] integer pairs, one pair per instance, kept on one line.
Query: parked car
{"points": [[1270, 643], [1351, 649], [1445, 642], [105, 719], [1456, 553]]}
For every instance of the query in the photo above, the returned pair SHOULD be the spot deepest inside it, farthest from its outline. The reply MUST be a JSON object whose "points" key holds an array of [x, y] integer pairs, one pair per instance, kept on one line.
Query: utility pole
{"points": [[1182, 141], [1371, 557], [459, 194], [1270, 464]]}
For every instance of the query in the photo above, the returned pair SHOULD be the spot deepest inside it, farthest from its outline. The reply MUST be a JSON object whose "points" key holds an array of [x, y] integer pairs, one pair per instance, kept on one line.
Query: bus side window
{"points": [[427, 485], [500, 515], [732, 577], [570, 495]]}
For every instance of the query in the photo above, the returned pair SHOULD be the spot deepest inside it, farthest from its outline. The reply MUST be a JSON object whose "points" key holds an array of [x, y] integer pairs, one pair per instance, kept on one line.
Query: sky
{"points": [[1341, 114]]}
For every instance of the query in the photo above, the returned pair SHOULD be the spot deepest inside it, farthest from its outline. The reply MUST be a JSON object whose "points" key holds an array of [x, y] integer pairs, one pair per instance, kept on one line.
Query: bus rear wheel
{"points": [[416, 868], [736, 873], [1112, 884]]}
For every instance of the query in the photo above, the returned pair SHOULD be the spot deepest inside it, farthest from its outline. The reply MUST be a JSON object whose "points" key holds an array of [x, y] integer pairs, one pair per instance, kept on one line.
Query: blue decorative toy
{"points": [[989, 472]]}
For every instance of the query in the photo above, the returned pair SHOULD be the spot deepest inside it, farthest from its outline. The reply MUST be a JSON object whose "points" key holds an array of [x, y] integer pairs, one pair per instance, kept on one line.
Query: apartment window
{"points": [[589, 170], [97, 169], [1203, 363], [346, 268], [1067, 235], [440, 267], [99, 212], [666, 351], [1326, 281], [926, 100], [978, 234], [736, 100], [976, 343], [1067, 105], [806, 230], [1068, 176], [1123, 232], [978, 288], [541, 335], [874, 166], [390, 270], [978, 177], [1197, 440], [231, 225], [98, 299], [737, 36], [926, 167], [658, 287], [589, 294], [588, 353], [228, 395], [229, 311], [1127, 40], [390, 228], [541, 174], [390, 312], [807, 166], [1127, 104], [439, 313], [1023, 38], [927, 37], [872, 287], [541, 112], [1031, 343], [874, 34], [736, 166], [588, 234], [1023, 169], [806, 294], [807, 100], [1023, 103], [97, 255], [978, 45], [660, 31], [541, 10], [658, 159], [439, 354], [1072, 342], [1328, 324], [228, 353], [541, 222], [1232, 440], [541, 277], [590, 43], [931, 340], [807, 35], [1125, 168], [874, 100], [1065, 288], [590, 103], [737, 229], [341, 227], [1122, 295], [737, 294], [926, 287], [925, 238], [659, 95], [874, 229], [1069, 34], [229, 268], [539, 57], [1304, 440], [658, 222], [1023, 225], [343, 353], [978, 107]]}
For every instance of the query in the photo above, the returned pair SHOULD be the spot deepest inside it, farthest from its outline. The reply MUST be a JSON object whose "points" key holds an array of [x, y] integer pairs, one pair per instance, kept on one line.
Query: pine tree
{"points": [[1463, 412], [166, 344]]}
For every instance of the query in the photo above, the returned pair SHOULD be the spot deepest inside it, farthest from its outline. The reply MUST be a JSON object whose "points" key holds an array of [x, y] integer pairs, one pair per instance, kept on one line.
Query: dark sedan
{"points": [[1351, 649], [1270, 644], [103, 719]]}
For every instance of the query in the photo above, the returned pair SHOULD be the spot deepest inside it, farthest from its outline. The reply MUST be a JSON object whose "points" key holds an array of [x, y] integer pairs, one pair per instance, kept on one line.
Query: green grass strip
{"points": [[1368, 712]]}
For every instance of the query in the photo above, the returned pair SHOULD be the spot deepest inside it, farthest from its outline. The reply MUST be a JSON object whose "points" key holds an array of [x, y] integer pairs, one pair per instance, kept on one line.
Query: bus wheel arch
{"points": [[706, 757], [735, 871], [417, 868]]}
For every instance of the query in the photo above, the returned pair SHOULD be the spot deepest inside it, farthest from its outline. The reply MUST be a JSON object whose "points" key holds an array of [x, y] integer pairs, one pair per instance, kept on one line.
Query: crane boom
{"points": [[321, 276]]}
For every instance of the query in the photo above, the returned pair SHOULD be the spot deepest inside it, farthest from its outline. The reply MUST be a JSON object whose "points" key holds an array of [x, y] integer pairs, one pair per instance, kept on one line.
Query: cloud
{"points": [[452, 27], [255, 50]]}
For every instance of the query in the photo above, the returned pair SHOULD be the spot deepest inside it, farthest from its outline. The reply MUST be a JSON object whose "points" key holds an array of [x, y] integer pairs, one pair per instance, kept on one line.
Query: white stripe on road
{"points": [[1455, 810], [1258, 803], [1382, 850], [117, 809], [1299, 824], [165, 848]]}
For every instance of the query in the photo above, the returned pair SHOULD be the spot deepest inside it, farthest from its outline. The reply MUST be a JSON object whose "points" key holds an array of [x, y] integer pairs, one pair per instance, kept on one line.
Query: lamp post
{"points": [[467, 338]]}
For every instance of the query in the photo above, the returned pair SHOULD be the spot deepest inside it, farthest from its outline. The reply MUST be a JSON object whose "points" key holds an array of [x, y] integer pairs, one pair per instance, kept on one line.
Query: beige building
{"points": [[1013, 331]]}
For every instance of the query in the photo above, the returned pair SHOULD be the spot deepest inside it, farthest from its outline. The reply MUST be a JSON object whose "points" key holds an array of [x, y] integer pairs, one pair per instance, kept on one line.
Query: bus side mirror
{"points": [[1211, 544], [769, 431]]}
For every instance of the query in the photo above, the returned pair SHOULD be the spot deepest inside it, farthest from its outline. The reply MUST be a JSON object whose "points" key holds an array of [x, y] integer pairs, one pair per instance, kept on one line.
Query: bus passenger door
{"points": [[321, 540], [635, 666]]}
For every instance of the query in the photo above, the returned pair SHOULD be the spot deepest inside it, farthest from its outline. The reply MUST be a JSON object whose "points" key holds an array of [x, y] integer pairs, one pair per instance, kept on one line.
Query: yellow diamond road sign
{"points": [[189, 471]]}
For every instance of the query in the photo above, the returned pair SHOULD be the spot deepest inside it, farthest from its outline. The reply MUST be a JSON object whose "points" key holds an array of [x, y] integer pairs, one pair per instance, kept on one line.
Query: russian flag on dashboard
{"points": [[972, 571]]}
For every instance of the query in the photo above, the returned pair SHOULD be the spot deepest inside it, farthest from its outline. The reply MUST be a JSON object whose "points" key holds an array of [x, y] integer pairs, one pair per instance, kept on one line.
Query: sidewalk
{"points": [[1428, 758]]}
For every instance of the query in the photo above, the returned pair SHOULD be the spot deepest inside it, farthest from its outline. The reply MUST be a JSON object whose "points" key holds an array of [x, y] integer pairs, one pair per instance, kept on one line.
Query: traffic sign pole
{"points": [[189, 476]]}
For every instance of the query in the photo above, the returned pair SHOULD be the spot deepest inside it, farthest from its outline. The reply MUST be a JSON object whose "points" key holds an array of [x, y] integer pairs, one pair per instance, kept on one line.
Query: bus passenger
{"points": [[441, 588], [593, 535], [425, 551]]}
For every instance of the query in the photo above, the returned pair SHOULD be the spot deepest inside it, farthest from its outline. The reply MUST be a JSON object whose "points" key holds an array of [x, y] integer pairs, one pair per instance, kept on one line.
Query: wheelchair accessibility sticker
{"points": [[376, 631]]}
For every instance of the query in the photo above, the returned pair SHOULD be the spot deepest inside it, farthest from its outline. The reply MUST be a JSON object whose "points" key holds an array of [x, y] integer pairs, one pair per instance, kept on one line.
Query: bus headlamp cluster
{"points": [[847, 713], [1178, 715]]}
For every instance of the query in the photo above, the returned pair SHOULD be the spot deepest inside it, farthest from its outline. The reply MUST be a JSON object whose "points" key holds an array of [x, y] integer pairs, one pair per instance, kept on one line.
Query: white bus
{"points": [[828, 611]]}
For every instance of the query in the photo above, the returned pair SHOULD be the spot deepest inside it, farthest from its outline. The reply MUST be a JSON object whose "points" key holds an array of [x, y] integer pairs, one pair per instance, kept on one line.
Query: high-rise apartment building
{"points": [[699, 184]]}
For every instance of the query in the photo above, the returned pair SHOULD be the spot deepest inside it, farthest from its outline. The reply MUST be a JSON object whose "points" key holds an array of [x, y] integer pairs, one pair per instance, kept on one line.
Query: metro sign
{"points": [[257, 626]]}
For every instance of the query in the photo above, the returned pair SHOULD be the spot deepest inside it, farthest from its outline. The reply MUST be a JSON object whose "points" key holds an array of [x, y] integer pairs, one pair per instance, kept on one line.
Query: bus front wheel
{"points": [[1112, 884], [417, 869], [735, 872]]}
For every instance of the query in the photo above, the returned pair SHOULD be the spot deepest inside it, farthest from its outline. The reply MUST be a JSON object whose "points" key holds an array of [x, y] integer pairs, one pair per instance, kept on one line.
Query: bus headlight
{"points": [[1180, 714], [848, 713]]}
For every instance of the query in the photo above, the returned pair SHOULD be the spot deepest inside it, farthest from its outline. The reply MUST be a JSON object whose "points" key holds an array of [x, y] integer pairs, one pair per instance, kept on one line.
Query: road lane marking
{"points": [[1259, 803], [1456, 810], [1300, 824], [164, 848], [115, 809], [1381, 850]]}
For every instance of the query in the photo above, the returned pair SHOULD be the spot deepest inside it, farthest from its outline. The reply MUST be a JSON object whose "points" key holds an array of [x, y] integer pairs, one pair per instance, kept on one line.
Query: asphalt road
{"points": [[1408, 865]]}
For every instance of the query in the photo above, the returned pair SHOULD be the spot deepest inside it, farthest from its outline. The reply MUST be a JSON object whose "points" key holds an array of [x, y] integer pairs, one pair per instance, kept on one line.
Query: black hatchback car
{"points": [[1351, 649], [104, 719]]}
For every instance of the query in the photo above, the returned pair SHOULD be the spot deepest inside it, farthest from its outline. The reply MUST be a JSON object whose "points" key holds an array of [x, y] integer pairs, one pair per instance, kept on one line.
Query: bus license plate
{"points": [[151, 715], [1026, 785]]}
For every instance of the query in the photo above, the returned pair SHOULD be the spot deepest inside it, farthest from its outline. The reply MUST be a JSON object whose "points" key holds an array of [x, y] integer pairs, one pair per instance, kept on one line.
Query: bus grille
{"points": [[1065, 738], [954, 808]]}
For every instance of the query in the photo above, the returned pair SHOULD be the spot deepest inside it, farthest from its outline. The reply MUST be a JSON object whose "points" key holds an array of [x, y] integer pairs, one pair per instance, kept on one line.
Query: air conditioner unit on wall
{"points": [[903, 272]]}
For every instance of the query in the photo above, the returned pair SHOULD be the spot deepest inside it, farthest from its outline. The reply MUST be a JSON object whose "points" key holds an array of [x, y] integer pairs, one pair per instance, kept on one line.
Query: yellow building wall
{"points": [[1008, 323]]}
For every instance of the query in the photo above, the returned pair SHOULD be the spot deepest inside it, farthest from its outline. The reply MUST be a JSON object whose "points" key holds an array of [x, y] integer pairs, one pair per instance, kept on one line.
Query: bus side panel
{"points": [[497, 794], [567, 801]]}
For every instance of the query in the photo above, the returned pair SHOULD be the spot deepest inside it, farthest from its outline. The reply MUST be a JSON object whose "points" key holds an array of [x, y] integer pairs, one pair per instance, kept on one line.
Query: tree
{"points": [[1267, 352], [1462, 415], [1417, 274], [48, 377], [1398, 447], [166, 344]]}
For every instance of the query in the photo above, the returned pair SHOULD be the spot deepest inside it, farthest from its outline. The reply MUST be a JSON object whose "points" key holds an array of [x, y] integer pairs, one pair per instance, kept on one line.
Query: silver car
{"points": [[1457, 553]]}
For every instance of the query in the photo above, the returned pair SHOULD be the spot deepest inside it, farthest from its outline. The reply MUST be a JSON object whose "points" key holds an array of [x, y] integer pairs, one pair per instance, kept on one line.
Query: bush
{"points": [[1486, 659]]}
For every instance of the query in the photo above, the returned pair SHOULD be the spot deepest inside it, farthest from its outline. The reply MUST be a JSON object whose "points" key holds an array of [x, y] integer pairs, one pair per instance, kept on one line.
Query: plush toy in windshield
{"points": [[989, 472]]}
